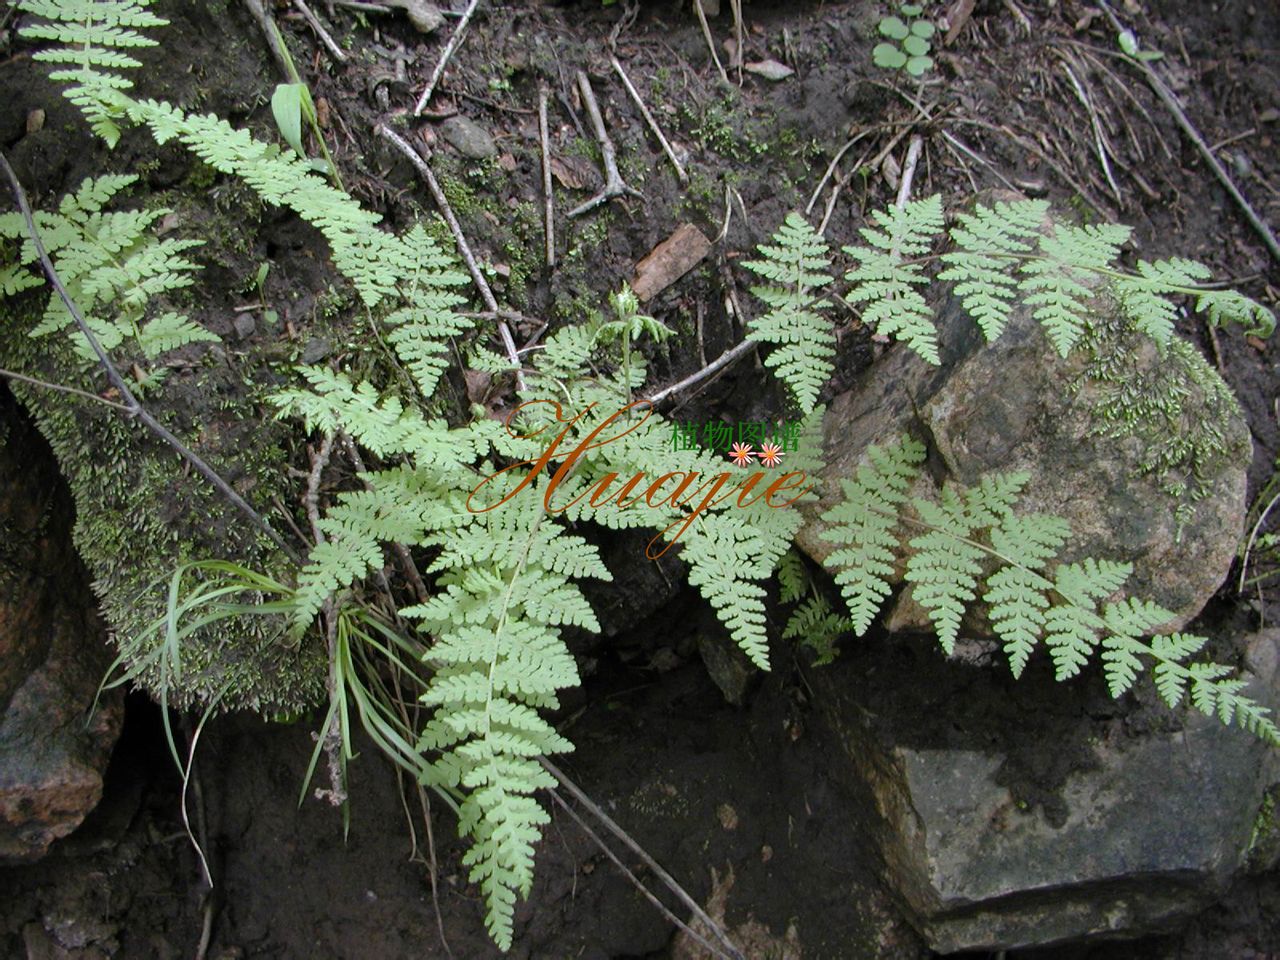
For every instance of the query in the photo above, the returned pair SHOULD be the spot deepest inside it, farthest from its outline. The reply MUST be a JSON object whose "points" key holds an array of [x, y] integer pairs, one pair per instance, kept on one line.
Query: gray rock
{"points": [[1144, 823], [52, 655], [244, 325], [317, 349], [728, 666], [468, 138], [1011, 406]]}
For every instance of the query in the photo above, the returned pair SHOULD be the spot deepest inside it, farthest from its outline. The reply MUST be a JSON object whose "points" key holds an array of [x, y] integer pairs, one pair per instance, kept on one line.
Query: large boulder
{"points": [[1020, 813], [1015, 405], [53, 654], [1011, 814]]}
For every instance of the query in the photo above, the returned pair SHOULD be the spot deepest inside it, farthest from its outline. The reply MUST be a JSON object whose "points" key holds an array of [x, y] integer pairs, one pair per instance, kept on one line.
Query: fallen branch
{"points": [[455, 41], [614, 185], [635, 881], [719, 363], [486, 294], [653, 865], [653, 124], [711, 44], [1166, 96], [549, 208], [909, 170], [314, 21], [271, 32], [134, 408]]}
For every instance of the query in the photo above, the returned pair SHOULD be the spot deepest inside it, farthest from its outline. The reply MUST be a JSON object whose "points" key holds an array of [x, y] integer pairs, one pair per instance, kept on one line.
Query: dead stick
{"points": [[719, 363], [639, 851], [614, 185], [549, 209], [455, 41], [711, 44], [269, 30], [1170, 101], [653, 124], [909, 170], [135, 408], [635, 881], [321, 32], [486, 294]]}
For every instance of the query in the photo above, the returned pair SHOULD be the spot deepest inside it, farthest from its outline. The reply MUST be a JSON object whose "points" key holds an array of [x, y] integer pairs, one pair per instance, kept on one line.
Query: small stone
{"points": [[769, 69], [425, 17], [35, 121], [244, 325], [468, 138], [317, 349]]}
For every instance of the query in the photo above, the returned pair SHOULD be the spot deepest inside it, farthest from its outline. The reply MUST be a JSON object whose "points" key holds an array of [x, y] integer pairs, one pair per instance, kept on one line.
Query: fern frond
{"points": [[499, 656], [864, 527], [1142, 296], [93, 35], [796, 264], [886, 281], [989, 242], [1058, 281], [817, 626], [1231, 306], [168, 332]]}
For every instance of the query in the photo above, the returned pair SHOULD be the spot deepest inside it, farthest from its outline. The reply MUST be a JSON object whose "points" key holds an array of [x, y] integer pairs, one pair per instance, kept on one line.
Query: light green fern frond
{"points": [[94, 37], [886, 279], [989, 242], [796, 265], [864, 526], [1142, 296], [1058, 281], [113, 265], [499, 656]]}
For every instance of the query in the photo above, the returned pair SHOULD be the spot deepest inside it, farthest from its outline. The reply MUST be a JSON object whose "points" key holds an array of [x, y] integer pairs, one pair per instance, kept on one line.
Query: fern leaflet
{"points": [[805, 342], [886, 281]]}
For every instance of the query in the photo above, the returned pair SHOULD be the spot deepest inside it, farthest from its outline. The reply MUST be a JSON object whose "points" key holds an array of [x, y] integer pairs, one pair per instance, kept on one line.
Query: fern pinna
{"points": [[112, 264], [973, 543]]}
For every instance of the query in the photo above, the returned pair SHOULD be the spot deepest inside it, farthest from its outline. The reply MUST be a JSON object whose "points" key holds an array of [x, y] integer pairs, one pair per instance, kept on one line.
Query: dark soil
{"points": [[711, 790]]}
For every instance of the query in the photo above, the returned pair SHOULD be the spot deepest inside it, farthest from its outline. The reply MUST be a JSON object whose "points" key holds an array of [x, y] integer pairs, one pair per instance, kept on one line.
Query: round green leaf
{"points": [[922, 28], [1128, 42], [893, 27], [916, 46], [911, 9], [918, 65], [889, 56]]}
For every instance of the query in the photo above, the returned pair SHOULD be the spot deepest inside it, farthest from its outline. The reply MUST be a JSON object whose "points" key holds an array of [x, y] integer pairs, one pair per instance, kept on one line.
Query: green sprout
{"points": [[911, 51]]}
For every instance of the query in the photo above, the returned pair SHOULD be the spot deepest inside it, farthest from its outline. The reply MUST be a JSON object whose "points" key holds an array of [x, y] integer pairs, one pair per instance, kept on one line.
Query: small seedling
{"points": [[911, 50], [1129, 46]]}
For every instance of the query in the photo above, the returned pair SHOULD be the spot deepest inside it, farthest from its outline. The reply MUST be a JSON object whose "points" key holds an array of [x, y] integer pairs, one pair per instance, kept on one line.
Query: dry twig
{"points": [[549, 209], [614, 185], [464, 249], [321, 32], [711, 44], [455, 41], [1167, 97], [653, 124]]}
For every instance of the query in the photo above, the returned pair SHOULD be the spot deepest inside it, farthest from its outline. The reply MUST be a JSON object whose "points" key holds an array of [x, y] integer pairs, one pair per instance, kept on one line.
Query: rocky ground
{"points": [[781, 802]]}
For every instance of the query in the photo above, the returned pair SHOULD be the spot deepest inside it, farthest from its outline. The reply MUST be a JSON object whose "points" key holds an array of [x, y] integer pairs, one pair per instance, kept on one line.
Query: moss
{"points": [[140, 513], [1179, 408]]}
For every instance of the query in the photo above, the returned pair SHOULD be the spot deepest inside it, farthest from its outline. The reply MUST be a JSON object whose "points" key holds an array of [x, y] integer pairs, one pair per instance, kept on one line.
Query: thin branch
{"points": [[321, 32], [486, 294], [909, 170], [135, 409], [635, 881], [653, 865], [549, 202], [1170, 101], [455, 41], [653, 124], [711, 44], [719, 363], [270, 31], [11, 375], [614, 185]]}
